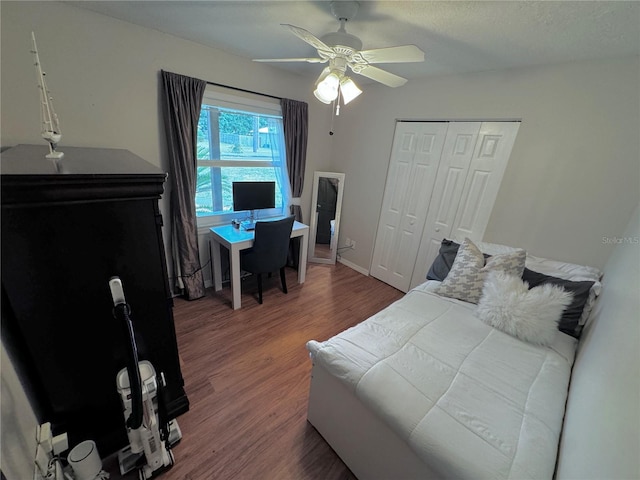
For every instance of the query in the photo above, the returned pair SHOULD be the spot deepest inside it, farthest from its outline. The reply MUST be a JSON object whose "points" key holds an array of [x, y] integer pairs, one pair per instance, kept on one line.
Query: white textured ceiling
{"points": [[456, 36]]}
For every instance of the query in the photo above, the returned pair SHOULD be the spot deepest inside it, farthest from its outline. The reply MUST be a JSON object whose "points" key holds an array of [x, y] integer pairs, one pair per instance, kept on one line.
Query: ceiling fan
{"points": [[343, 50]]}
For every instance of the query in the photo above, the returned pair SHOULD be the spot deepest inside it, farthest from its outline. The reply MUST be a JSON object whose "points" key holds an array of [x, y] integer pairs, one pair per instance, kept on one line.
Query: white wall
{"points": [[574, 173], [601, 437]]}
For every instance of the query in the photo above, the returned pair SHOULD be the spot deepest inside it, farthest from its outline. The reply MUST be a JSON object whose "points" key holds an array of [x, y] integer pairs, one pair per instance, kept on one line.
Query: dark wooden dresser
{"points": [[68, 226]]}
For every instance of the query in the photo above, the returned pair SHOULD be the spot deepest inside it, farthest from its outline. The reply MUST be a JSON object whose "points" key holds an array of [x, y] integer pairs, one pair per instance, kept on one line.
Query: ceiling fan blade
{"points": [[400, 54], [310, 38], [379, 75], [308, 60]]}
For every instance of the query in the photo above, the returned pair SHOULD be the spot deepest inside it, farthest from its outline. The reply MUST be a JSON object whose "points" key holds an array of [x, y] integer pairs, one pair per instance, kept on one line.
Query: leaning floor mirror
{"points": [[326, 204]]}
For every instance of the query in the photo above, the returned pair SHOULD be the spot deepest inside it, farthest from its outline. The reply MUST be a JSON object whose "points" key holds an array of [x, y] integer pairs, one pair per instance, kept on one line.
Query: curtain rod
{"points": [[243, 90]]}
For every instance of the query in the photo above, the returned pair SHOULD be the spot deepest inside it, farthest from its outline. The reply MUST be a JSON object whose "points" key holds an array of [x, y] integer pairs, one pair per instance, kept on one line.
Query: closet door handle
{"points": [[437, 229]]}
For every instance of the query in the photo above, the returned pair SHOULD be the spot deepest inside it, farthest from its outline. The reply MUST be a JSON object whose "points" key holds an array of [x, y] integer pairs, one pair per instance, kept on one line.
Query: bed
{"points": [[427, 389]]}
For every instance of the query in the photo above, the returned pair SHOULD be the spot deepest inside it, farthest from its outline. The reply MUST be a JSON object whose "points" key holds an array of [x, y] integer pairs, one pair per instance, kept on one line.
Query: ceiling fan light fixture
{"points": [[327, 90], [349, 90], [320, 97]]}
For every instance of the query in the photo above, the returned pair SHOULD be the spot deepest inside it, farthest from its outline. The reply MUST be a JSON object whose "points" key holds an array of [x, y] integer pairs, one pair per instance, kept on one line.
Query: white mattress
{"points": [[469, 400]]}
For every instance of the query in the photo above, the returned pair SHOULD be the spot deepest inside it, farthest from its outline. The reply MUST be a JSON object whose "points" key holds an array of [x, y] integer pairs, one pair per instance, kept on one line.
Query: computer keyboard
{"points": [[249, 226]]}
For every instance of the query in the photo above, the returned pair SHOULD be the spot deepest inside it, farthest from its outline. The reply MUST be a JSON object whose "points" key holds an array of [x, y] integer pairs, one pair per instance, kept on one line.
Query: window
{"points": [[240, 138]]}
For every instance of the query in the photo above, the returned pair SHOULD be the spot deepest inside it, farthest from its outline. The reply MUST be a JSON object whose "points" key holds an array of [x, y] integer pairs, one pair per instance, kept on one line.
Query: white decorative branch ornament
{"points": [[50, 127]]}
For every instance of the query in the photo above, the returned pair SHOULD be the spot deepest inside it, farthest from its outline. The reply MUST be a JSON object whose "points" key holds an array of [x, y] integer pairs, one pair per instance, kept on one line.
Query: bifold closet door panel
{"points": [[413, 167], [489, 162], [456, 157]]}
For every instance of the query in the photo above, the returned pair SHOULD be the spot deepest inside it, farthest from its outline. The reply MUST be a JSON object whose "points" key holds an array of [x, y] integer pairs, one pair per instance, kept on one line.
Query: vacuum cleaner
{"points": [[150, 435]]}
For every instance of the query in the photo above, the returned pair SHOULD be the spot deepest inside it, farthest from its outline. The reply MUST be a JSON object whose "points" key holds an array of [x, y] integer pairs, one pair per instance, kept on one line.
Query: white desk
{"points": [[236, 239]]}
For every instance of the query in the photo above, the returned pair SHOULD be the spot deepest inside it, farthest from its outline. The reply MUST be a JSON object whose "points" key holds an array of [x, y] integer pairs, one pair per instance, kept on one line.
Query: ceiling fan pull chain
{"points": [[332, 119]]}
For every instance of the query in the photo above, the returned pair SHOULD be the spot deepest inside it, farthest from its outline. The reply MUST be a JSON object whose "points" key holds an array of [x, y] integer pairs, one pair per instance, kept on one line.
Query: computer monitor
{"points": [[253, 195]]}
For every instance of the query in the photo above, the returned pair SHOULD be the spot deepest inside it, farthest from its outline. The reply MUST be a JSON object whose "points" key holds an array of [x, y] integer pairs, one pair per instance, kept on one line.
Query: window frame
{"points": [[252, 104]]}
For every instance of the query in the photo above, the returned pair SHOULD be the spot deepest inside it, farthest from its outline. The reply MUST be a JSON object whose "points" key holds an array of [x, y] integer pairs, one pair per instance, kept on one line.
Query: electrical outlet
{"points": [[353, 244], [347, 242]]}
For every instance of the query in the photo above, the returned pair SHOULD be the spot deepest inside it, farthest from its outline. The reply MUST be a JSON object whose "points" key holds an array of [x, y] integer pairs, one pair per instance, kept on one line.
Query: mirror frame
{"points": [[314, 217]]}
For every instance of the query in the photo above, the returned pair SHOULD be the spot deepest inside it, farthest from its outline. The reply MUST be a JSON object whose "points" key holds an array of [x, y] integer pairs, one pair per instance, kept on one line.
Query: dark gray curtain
{"points": [[295, 120], [182, 102]]}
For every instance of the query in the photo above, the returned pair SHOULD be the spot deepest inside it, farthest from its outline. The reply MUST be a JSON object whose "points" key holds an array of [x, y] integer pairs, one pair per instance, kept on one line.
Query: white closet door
{"points": [[490, 158], [413, 167], [447, 192]]}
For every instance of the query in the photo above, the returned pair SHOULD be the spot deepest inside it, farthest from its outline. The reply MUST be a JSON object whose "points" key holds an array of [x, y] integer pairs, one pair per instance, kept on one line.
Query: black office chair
{"points": [[269, 251]]}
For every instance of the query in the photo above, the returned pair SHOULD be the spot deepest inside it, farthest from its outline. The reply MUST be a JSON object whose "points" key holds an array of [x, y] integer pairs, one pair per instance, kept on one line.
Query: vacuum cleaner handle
{"points": [[121, 312]]}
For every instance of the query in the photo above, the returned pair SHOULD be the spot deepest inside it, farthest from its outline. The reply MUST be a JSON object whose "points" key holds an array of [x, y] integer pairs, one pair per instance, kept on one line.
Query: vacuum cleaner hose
{"points": [[121, 312]]}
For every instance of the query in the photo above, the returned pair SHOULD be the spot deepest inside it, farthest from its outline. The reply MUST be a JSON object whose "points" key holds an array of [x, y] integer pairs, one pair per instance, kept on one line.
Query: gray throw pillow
{"points": [[580, 290]]}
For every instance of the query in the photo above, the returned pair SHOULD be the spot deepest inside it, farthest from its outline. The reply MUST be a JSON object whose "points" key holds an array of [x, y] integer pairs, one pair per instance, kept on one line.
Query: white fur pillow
{"points": [[530, 315]]}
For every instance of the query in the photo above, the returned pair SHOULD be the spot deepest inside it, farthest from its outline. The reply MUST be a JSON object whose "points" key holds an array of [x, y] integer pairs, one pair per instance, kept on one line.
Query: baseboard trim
{"points": [[355, 267]]}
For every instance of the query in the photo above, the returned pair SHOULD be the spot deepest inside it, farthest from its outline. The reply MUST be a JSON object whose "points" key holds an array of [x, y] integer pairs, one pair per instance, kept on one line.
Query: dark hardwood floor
{"points": [[247, 375]]}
